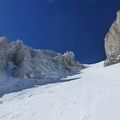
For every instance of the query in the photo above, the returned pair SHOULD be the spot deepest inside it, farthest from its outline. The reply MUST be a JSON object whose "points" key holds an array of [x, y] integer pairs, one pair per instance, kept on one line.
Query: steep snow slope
{"points": [[93, 94]]}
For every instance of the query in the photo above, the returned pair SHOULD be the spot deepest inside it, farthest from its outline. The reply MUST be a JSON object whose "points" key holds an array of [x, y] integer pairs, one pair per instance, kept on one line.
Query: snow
{"points": [[92, 94]]}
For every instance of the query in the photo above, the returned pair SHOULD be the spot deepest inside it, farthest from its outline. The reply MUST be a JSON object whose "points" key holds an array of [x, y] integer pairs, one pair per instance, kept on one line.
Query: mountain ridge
{"points": [[35, 63]]}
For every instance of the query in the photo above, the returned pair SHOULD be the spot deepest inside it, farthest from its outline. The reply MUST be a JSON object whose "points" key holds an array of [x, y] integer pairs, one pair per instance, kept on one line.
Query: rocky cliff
{"points": [[112, 43], [24, 61]]}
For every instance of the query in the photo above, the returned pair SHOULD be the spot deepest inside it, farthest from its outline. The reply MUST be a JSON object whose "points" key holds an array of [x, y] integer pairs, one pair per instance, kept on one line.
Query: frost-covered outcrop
{"points": [[112, 43], [35, 63]]}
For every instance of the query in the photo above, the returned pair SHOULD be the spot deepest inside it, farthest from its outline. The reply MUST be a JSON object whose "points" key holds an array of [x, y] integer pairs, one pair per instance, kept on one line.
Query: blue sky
{"points": [[61, 25]]}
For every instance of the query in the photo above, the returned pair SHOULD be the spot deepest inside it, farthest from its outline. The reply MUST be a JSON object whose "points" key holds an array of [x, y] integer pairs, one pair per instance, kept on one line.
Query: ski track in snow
{"points": [[94, 95]]}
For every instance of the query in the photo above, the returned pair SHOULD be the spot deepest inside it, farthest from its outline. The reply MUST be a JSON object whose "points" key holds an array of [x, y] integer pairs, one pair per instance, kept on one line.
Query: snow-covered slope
{"points": [[93, 94]]}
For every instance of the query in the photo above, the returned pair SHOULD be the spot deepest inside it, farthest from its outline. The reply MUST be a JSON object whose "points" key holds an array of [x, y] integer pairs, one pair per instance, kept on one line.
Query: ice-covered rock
{"points": [[36, 63], [112, 43], [46, 66], [17, 51]]}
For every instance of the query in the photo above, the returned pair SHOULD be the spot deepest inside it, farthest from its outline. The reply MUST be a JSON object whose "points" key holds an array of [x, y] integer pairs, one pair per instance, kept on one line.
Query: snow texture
{"points": [[92, 94]]}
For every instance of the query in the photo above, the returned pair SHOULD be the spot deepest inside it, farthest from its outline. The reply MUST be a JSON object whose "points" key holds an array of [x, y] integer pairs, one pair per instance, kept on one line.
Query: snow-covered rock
{"points": [[47, 66], [17, 51], [35, 63]]}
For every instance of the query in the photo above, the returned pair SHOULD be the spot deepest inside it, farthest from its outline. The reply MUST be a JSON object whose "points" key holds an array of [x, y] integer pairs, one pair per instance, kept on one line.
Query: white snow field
{"points": [[93, 94]]}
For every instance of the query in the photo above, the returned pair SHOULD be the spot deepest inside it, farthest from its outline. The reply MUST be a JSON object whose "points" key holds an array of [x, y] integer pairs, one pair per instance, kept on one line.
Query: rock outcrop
{"points": [[112, 43], [35, 63], [3, 54]]}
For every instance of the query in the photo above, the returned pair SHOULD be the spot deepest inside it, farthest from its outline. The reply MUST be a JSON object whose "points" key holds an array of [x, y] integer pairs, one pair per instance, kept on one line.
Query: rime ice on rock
{"points": [[35, 63]]}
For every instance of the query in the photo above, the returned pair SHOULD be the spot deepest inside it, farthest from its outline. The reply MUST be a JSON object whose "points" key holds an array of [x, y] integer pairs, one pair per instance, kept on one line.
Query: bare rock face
{"points": [[3, 54], [112, 43], [35, 63]]}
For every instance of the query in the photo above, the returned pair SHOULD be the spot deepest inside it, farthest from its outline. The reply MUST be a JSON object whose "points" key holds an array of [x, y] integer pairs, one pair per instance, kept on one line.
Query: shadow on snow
{"points": [[15, 85]]}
